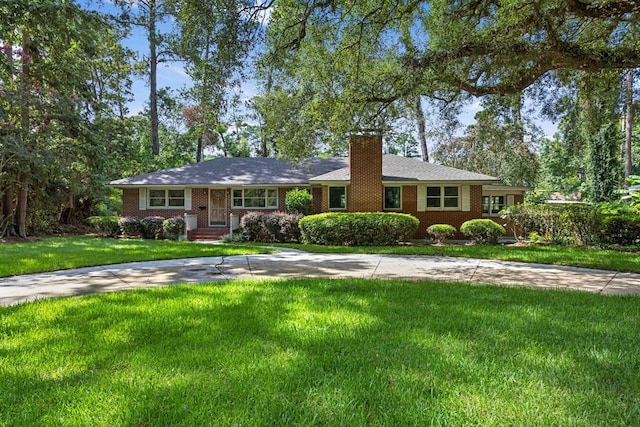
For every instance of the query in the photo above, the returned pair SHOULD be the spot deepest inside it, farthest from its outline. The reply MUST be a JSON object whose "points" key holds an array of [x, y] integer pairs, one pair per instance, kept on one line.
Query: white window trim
{"points": [[266, 198], [509, 200], [146, 195], [384, 196], [442, 197], [344, 187]]}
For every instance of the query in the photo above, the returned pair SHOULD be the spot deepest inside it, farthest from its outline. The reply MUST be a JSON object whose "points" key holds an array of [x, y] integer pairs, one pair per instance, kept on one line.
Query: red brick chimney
{"points": [[365, 166]]}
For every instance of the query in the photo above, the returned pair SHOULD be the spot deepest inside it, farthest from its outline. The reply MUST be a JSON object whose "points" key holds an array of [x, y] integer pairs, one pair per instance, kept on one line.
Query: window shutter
{"points": [[465, 198], [511, 200], [187, 199], [142, 199], [422, 198]]}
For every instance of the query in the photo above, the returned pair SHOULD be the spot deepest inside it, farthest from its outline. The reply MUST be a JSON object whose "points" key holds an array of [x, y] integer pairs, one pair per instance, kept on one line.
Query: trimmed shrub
{"points": [[288, 229], [482, 230], [358, 229], [583, 223], [299, 201], [607, 223], [252, 226], [272, 227], [106, 226], [621, 229], [556, 224], [441, 232], [152, 227], [173, 228], [130, 226]]}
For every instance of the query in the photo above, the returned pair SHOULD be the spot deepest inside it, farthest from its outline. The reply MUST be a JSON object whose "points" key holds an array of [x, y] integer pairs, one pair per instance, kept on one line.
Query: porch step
{"points": [[207, 233]]}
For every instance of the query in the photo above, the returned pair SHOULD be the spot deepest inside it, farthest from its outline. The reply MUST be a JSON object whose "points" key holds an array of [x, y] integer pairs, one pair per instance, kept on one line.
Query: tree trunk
{"points": [[8, 221], [422, 128], [628, 95], [21, 208], [153, 78], [199, 149], [23, 177]]}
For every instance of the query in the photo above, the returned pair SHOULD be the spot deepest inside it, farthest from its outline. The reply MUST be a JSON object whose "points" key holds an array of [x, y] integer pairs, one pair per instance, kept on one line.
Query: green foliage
{"points": [[516, 217], [604, 163], [607, 223], [500, 143], [105, 225], [130, 226], [63, 71], [271, 227], [482, 230], [631, 195], [234, 238], [358, 229], [441, 232], [299, 201], [561, 169], [152, 227], [621, 229], [557, 224], [174, 227]]}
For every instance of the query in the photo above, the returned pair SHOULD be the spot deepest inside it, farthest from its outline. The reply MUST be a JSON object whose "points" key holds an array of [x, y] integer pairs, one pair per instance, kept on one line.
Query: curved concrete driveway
{"points": [[289, 264]]}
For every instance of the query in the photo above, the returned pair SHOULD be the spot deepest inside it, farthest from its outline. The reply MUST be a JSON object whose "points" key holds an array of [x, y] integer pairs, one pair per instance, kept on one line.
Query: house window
{"points": [[252, 198], [392, 197], [337, 198], [443, 197], [166, 198], [492, 205]]}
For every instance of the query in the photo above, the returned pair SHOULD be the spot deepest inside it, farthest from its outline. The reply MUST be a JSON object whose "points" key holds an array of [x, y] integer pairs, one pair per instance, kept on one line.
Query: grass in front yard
{"points": [[58, 253], [322, 352], [540, 254]]}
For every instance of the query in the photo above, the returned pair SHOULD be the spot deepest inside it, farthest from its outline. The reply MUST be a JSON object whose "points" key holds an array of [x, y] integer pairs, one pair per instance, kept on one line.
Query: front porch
{"points": [[200, 234]]}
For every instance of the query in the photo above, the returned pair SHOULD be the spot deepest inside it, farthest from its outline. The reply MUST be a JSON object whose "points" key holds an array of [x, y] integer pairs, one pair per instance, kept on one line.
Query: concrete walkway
{"points": [[290, 264]]}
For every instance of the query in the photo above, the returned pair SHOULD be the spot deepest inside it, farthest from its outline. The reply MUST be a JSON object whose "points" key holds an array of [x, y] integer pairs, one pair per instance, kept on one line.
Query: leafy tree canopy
{"points": [[479, 46]]}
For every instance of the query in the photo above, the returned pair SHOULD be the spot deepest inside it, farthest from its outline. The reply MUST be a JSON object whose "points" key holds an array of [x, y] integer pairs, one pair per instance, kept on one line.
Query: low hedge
{"points": [[621, 229], [441, 232], [482, 230], [576, 224], [273, 227], [358, 229], [106, 226], [173, 228], [130, 226], [152, 227]]}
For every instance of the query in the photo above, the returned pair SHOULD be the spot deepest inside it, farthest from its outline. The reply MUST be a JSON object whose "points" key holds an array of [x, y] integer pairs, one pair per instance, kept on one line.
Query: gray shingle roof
{"points": [[269, 171], [398, 168], [238, 171]]}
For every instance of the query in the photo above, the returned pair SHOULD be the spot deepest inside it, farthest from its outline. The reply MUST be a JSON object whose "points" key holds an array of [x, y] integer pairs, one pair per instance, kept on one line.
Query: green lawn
{"points": [[58, 253], [541, 254], [322, 352]]}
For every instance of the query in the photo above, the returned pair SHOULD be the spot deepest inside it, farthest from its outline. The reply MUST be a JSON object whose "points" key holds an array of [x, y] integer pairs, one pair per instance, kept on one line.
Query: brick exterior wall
{"points": [[199, 205], [365, 165], [199, 197], [316, 194], [429, 217]]}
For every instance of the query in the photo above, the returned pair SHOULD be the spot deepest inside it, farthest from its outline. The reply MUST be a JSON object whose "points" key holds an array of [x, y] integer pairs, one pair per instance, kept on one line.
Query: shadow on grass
{"points": [[322, 352]]}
